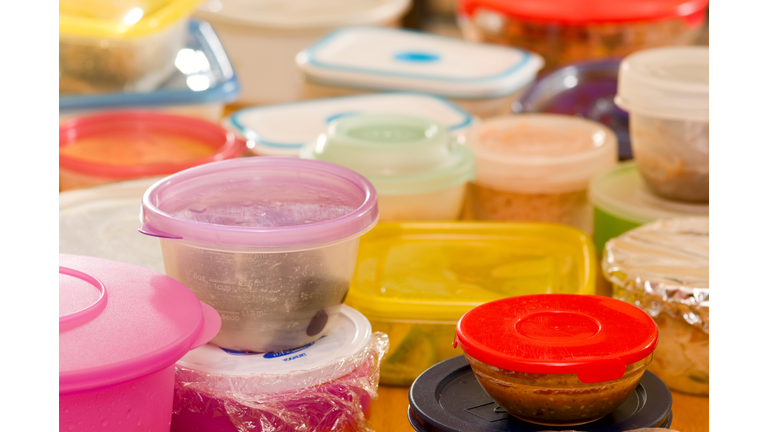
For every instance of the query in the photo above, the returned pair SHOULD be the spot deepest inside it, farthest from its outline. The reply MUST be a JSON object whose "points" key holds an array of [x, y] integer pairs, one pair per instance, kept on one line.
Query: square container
{"points": [[536, 168], [415, 280], [482, 79], [283, 129], [666, 91], [202, 82], [119, 46], [566, 31], [262, 37]]}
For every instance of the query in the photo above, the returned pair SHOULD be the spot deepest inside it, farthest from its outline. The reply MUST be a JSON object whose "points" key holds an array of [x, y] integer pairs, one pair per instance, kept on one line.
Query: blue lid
{"points": [[203, 75]]}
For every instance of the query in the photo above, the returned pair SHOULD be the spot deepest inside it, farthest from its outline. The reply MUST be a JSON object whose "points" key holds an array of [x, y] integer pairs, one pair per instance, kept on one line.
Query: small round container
{"points": [[326, 385], [124, 145], [622, 201], [121, 329], [666, 91], [418, 170], [557, 359], [536, 168], [564, 31], [663, 268], [269, 242]]}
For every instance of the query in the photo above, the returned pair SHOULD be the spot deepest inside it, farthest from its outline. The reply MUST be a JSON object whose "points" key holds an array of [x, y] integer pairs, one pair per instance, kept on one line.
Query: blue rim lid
{"points": [[203, 75]]}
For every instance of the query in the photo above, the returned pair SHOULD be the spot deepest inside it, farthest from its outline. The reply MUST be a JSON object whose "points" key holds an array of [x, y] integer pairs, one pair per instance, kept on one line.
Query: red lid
{"points": [[584, 11], [119, 321], [594, 337]]}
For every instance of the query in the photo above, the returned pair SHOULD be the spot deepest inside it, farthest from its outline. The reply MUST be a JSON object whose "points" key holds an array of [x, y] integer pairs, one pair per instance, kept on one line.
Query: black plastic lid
{"points": [[448, 398]]}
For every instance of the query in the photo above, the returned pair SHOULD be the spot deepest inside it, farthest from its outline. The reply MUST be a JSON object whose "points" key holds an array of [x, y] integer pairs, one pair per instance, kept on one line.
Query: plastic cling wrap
{"points": [[332, 397]]}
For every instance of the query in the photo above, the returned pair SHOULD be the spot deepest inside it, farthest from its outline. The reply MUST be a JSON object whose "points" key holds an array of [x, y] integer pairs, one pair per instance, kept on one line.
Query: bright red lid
{"points": [[584, 11], [594, 337], [119, 321]]}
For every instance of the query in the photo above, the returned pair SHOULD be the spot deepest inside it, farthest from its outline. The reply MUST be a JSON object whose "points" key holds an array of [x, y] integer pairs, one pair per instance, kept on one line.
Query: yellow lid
{"points": [[120, 19], [441, 270]]}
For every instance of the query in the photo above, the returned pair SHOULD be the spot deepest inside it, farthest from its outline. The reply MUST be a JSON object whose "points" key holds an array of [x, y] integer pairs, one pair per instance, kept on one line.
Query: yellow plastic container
{"points": [[414, 280]]}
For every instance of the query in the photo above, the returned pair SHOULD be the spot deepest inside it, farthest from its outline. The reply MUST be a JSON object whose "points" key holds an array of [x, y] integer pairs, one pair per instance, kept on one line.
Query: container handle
{"points": [[148, 230], [211, 326]]}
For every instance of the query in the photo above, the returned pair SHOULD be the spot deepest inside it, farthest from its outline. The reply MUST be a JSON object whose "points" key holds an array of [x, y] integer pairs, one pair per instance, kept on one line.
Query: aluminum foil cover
{"points": [[663, 266]]}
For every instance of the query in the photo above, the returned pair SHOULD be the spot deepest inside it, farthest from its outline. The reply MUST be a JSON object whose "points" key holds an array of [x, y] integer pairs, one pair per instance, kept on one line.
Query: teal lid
{"points": [[399, 154]]}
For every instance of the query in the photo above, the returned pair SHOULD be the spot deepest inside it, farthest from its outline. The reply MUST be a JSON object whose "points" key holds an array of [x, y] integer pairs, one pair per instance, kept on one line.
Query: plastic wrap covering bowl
{"points": [[663, 268], [325, 386]]}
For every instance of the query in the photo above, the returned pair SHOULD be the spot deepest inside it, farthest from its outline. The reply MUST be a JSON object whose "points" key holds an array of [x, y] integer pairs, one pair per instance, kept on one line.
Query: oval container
{"points": [[121, 329]]}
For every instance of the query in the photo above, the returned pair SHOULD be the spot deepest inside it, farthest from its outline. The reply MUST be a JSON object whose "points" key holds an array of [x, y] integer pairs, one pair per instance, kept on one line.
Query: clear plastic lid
{"points": [[282, 129], [408, 60], [400, 155], [668, 82], [540, 153]]}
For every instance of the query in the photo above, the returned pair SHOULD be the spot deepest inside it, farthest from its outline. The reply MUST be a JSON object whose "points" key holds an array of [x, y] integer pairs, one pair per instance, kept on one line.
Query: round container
{"points": [[269, 242], [418, 170], [663, 268], [666, 91], [326, 385], [564, 31], [622, 201], [106, 148], [586, 89], [121, 329], [536, 167], [262, 37], [557, 359]]}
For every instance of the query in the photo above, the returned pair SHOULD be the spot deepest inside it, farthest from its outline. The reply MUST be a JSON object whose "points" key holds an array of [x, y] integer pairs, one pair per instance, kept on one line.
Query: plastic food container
{"points": [[202, 82], [269, 242], [415, 280], [482, 79], [536, 167], [121, 329], [565, 31], [622, 201], [663, 268], [324, 386], [282, 129], [123, 145], [666, 91], [119, 46], [418, 170], [262, 37], [586, 89], [557, 359]]}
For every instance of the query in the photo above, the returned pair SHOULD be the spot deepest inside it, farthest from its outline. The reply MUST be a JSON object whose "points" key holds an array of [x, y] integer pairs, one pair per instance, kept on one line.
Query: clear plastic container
{"points": [[262, 37], [564, 31], [273, 253], [666, 91], [202, 83], [557, 359], [119, 46], [481, 79], [415, 280], [536, 168], [419, 171]]}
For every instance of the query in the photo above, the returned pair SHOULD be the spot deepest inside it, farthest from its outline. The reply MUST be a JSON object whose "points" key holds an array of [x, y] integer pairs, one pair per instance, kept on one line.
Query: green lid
{"points": [[400, 155]]}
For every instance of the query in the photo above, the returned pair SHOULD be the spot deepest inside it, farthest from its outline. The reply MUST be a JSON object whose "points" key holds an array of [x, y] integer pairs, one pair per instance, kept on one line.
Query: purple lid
{"points": [[260, 202]]}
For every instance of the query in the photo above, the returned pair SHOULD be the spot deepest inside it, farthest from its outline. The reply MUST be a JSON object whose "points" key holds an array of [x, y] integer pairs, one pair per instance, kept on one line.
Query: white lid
{"points": [[540, 153], [623, 193], [298, 14], [391, 59], [282, 129], [317, 363], [671, 82], [104, 221]]}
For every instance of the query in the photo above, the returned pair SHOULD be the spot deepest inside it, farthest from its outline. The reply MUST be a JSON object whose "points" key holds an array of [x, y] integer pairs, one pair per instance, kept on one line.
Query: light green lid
{"points": [[400, 155]]}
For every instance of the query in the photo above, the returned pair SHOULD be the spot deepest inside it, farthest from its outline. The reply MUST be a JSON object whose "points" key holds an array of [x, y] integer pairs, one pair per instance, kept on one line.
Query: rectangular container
{"points": [[414, 280]]}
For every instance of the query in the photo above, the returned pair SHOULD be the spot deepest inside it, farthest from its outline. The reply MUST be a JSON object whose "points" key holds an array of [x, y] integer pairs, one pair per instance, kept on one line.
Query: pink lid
{"points": [[118, 322]]}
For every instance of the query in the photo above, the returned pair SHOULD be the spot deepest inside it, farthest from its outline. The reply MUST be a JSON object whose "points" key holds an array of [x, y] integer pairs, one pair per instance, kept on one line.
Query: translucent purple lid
{"points": [[260, 202]]}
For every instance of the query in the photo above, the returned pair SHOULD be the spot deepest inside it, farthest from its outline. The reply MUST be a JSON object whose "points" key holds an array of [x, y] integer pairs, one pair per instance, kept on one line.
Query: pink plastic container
{"points": [[121, 329]]}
